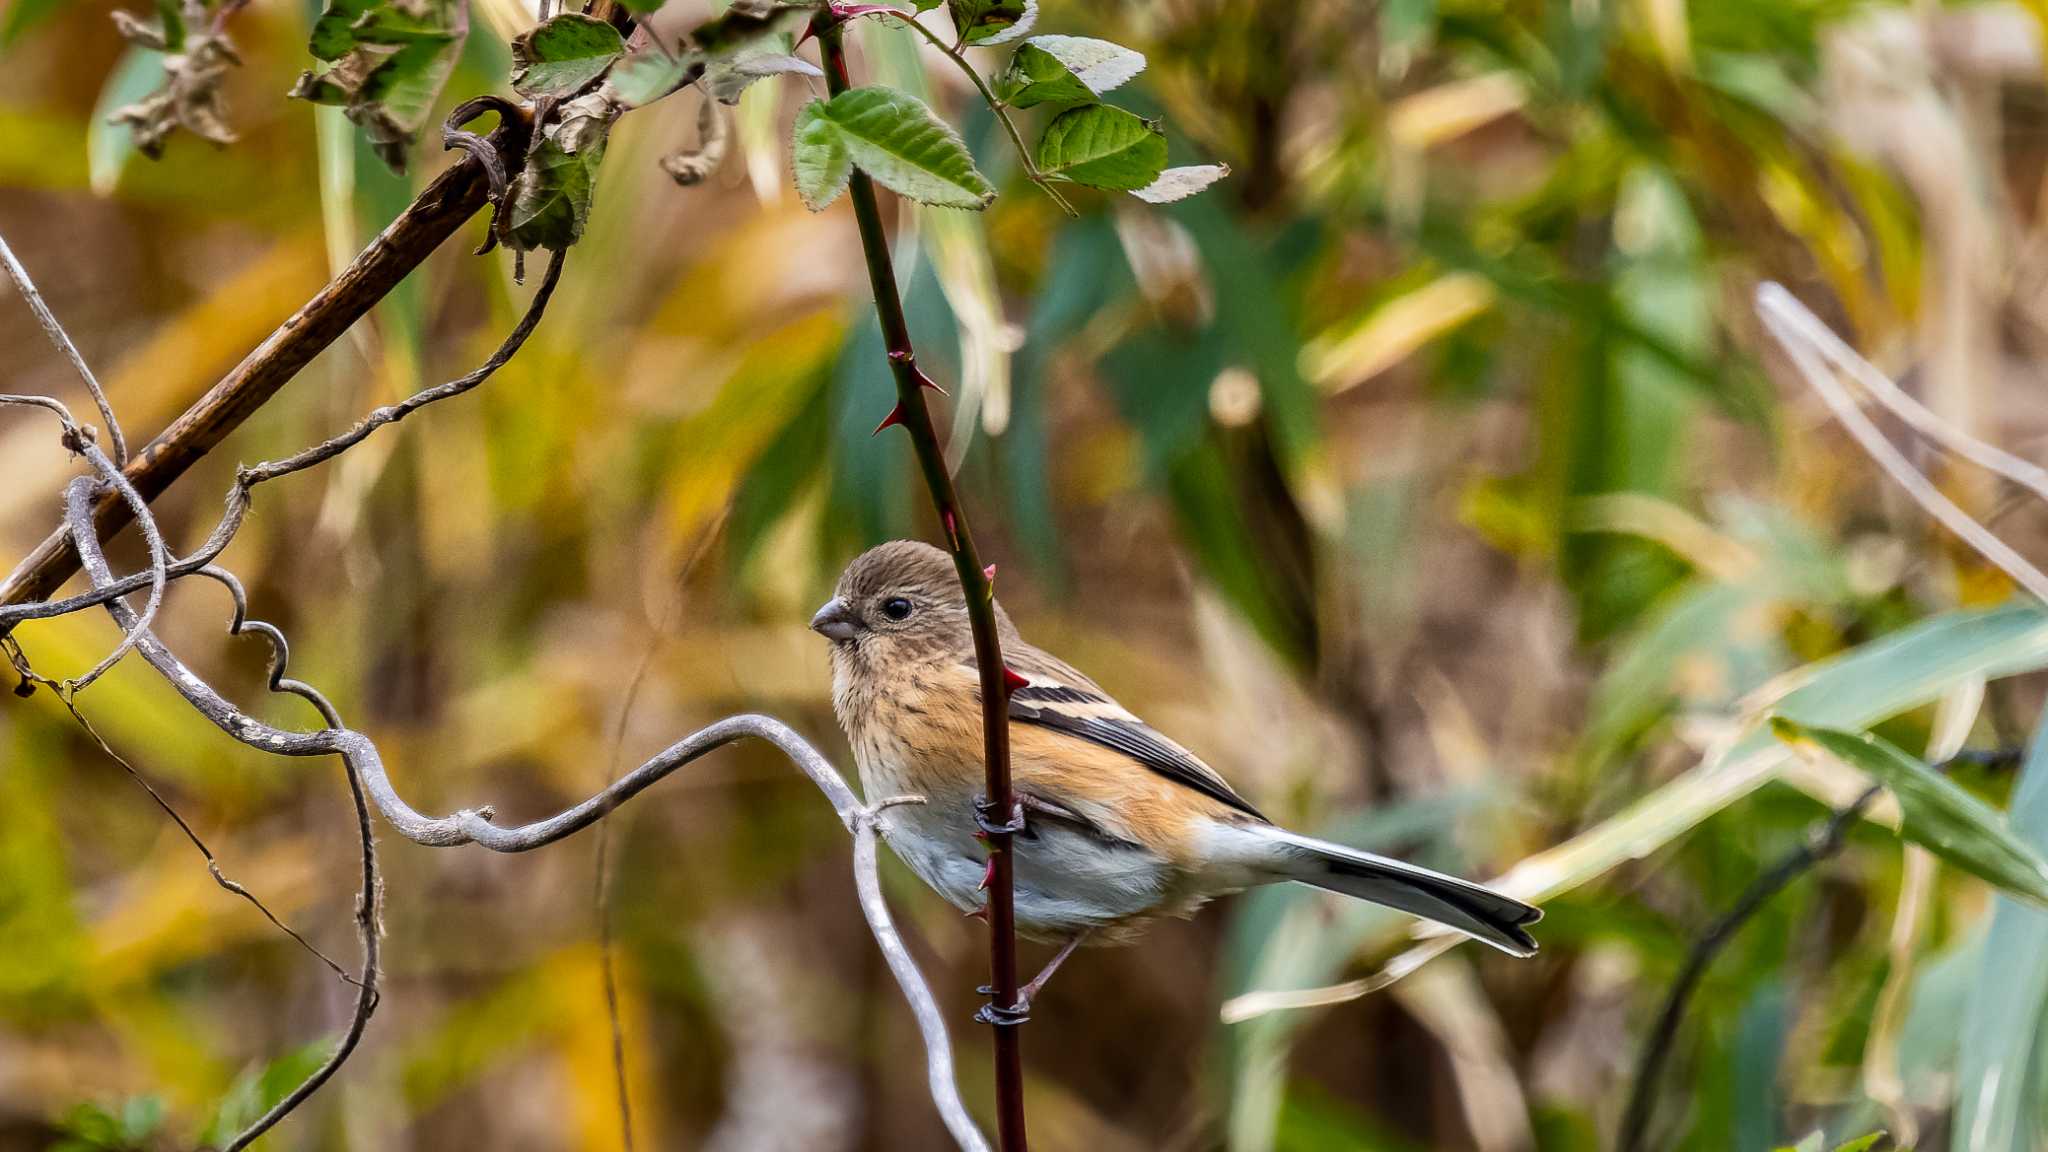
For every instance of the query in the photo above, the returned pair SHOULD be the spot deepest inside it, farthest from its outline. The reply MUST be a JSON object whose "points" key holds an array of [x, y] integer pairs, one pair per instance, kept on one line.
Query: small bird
{"points": [[1122, 825]]}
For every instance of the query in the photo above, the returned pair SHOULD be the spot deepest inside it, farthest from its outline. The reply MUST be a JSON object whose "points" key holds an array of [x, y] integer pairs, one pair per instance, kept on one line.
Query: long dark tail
{"points": [[1476, 911]]}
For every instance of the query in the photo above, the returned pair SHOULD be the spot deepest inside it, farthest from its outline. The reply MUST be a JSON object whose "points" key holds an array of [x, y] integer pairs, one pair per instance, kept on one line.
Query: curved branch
{"points": [[367, 774]]}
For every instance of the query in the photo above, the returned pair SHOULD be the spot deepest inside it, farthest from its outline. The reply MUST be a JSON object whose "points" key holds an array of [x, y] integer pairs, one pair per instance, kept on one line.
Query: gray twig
{"points": [[62, 339]]}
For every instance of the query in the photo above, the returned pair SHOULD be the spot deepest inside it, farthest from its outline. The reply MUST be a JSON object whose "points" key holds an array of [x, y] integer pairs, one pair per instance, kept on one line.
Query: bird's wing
{"points": [[1059, 698]]}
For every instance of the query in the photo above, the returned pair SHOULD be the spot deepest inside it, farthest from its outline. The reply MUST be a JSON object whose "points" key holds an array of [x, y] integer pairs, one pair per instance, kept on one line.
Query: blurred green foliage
{"points": [[1429, 475]]}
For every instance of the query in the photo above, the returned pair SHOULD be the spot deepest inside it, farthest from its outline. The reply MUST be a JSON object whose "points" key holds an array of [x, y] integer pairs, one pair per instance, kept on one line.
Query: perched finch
{"points": [[1122, 825]]}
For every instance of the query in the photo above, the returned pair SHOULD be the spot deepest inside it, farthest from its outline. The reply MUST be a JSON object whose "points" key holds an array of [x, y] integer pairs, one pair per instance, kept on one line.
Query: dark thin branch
{"points": [[1822, 843], [1003, 1011], [452, 198]]}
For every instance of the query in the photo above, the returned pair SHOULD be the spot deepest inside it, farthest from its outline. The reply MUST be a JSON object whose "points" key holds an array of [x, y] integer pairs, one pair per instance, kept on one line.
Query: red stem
{"points": [[916, 419]]}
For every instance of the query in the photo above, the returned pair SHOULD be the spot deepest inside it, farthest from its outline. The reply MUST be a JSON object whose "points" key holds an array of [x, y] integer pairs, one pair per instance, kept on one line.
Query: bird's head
{"points": [[898, 602]]}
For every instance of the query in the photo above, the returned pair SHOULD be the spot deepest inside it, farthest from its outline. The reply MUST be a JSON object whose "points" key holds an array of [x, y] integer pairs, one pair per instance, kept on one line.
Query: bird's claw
{"points": [[997, 1016], [984, 818]]}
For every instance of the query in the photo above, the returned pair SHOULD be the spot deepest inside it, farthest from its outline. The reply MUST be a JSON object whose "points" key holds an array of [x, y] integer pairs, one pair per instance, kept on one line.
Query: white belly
{"points": [[1067, 881]]}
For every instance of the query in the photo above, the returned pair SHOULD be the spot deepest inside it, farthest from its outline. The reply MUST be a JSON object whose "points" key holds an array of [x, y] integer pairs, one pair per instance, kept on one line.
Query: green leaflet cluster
{"points": [[899, 142]]}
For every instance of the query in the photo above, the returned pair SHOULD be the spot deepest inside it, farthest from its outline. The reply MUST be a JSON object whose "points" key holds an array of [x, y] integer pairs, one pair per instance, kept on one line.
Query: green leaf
{"points": [[1181, 183], [1862, 1143], [819, 157], [561, 56], [334, 30], [395, 26], [1936, 814], [642, 6], [1103, 147], [389, 86], [727, 80], [551, 193], [894, 138], [991, 21], [650, 74], [1065, 70]]}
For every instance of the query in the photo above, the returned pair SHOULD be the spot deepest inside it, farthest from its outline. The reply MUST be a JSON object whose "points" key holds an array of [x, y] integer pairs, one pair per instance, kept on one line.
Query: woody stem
{"points": [[916, 419]]}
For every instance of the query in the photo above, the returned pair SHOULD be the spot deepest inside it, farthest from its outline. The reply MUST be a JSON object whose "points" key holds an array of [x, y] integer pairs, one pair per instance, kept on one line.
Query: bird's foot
{"points": [[997, 1016], [984, 818]]}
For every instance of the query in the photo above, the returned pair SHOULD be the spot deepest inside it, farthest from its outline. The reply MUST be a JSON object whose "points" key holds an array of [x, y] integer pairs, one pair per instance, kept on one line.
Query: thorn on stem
{"points": [[980, 914], [988, 875], [894, 417], [952, 529], [1012, 681]]}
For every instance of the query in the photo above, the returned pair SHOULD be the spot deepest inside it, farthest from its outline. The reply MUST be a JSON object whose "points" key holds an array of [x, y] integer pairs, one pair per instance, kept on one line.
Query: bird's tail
{"points": [[1474, 910]]}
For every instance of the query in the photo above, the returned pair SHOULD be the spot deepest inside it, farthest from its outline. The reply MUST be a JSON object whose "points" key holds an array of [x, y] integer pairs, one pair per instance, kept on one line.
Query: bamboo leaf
{"points": [[1937, 814], [1103, 147], [893, 138], [1999, 1108]]}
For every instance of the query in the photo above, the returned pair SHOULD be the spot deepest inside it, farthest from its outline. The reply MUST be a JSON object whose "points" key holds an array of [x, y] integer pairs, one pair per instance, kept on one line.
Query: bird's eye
{"points": [[896, 608]]}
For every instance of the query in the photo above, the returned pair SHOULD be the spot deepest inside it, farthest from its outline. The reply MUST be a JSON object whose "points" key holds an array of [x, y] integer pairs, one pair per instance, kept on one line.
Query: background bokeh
{"points": [[1428, 476]]}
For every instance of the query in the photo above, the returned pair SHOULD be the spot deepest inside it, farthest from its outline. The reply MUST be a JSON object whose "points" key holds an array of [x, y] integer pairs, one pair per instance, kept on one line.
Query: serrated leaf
{"points": [[991, 21], [1181, 183], [818, 156], [727, 80], [560, 57], [1065, 70], [1935, 813], [894, 138], [551, 199], [650, 74], [1103, 147]]}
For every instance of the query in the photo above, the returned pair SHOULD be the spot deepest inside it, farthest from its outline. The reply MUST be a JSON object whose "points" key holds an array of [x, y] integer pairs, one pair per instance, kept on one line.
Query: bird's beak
{"points": [[834, 621]]}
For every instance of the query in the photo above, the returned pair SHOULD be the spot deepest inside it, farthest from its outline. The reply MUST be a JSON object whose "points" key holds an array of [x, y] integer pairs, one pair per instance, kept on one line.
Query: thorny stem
{"points": [[1002, 111], [911, 412]]}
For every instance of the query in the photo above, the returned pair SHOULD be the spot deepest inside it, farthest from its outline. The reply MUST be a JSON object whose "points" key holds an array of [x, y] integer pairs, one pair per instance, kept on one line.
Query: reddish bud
{"points": [[1012, 681], [989, 573], [894, 417]]}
